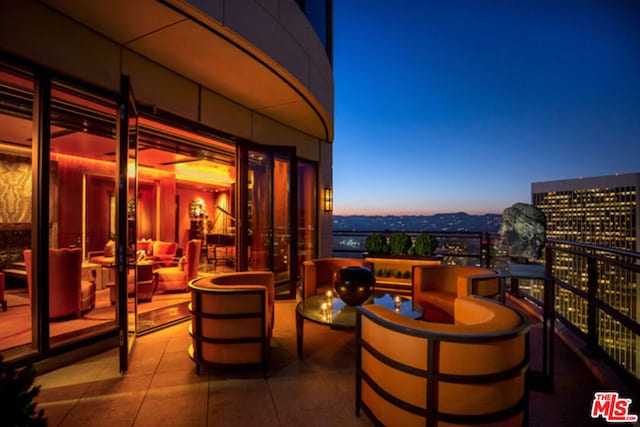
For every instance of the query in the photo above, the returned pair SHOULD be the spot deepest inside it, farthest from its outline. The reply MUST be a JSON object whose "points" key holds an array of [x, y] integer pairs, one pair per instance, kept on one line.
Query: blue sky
{"points": [[445, 106]]}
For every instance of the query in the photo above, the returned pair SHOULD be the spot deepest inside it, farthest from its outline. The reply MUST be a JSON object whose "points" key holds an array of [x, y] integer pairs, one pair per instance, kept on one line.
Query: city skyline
{"points": [[448, 107]]}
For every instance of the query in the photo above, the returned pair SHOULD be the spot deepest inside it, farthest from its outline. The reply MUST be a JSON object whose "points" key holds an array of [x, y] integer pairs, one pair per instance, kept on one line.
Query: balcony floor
{"points": [[162, 388]]}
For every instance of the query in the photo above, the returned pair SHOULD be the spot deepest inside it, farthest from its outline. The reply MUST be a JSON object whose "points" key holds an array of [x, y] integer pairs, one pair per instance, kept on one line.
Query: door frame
{"points": [[126, 110]]}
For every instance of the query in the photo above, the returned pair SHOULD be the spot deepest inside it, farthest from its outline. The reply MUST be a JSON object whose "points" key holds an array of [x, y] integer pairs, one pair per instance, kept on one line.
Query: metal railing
{"points": [[596, 288]]}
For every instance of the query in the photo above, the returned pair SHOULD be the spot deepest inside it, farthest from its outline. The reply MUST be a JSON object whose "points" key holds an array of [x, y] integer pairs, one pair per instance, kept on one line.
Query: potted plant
{"points": [[17, 390]]}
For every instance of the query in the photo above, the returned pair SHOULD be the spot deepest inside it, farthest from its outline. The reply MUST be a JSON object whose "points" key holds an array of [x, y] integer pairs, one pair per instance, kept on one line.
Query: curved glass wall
{"points": [[62, 215]]}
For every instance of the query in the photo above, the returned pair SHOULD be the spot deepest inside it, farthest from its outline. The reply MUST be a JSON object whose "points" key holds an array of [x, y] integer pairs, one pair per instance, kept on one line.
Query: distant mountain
{"points": [[459, 221]]}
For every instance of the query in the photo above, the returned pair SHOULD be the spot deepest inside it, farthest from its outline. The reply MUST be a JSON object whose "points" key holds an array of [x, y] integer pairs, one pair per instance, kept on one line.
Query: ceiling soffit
{"points": [[203, 51]]}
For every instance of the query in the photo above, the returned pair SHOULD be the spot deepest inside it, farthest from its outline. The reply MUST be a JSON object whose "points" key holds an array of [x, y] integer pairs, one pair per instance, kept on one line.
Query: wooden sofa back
{"points": [[232, 319], [410, 372]]}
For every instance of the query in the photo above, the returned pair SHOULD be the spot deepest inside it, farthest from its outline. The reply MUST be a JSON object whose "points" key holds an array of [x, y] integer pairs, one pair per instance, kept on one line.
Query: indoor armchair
{"points": [[69, 295], [177, 278]]}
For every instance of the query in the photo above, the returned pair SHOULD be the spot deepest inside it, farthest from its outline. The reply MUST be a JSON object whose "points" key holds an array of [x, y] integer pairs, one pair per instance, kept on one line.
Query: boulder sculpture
{"points": [[523, 232]]}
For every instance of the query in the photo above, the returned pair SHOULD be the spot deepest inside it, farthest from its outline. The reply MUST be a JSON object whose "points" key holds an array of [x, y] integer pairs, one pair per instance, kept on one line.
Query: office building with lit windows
{"points": [[601, 211], [130, 129]]}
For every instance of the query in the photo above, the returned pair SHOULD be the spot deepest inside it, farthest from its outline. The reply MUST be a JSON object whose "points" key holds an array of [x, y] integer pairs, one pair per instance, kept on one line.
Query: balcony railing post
{"points": [[485, 251], [592, 292]]}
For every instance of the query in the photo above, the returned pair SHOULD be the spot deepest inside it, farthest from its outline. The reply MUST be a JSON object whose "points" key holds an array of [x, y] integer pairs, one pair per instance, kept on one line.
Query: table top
{"points": [[339, 314]]}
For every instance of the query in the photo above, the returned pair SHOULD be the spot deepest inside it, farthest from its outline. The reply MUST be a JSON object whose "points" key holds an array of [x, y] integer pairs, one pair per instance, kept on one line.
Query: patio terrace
{"points": [[162, 388]]}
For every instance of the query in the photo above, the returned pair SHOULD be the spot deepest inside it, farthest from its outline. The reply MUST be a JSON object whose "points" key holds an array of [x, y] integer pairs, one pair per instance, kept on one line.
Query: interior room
{"points": [[181, 189]]}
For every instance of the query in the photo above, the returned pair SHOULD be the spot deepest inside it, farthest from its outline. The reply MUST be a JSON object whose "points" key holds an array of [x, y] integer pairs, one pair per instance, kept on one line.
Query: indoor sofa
{"points": [[160, 253], [319, 274], [416, 373], [436, 287], [232, 318], [106, 257]]}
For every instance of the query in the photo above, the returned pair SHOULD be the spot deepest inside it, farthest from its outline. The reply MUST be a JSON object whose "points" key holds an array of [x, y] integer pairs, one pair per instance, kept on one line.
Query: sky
{"points": [[459, 105]]}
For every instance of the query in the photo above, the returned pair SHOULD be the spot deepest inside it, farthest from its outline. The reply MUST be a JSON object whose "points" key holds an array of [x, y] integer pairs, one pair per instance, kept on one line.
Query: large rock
{"points": [[523, 231]]}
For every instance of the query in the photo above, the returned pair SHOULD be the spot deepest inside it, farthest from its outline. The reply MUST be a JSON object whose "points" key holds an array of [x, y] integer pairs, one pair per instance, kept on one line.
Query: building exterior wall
{"points": [[275, 31]]}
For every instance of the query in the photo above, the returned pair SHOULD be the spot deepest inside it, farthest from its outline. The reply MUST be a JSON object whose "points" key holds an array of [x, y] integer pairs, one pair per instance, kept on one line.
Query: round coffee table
{"points": [[335, 313]]}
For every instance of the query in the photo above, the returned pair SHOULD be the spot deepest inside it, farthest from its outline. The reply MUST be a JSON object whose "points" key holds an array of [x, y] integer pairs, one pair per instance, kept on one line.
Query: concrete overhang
{"points": [[183, 39]]}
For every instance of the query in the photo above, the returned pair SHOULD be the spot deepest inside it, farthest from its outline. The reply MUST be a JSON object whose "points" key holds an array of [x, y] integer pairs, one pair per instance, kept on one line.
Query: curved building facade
{"points": [[131, 129]]}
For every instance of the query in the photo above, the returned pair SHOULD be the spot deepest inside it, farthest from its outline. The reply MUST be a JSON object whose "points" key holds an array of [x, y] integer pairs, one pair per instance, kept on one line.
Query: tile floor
{"points": [[161, 387]]}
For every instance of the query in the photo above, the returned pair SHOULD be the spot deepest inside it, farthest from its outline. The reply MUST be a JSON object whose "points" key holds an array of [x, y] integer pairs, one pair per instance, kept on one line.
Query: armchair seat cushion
{"points": [[438, 305], [176, 278]]}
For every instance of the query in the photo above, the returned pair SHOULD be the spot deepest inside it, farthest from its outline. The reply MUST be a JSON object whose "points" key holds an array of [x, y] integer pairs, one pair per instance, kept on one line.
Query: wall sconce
{"points": [[328, 199]]}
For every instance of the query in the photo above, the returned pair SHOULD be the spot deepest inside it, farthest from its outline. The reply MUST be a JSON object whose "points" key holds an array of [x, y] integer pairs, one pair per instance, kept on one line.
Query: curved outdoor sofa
{"points": [[436, 287], [416, 373], [232, 319]]}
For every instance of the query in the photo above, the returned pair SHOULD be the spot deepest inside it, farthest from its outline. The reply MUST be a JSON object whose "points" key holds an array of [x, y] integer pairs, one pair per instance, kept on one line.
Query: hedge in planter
{"points": [[400, 243], [376, 243], [425, 245]]}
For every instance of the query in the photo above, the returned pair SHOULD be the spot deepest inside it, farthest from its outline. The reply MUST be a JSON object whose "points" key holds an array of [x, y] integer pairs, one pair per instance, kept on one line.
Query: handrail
{"points": [[596, 287]]}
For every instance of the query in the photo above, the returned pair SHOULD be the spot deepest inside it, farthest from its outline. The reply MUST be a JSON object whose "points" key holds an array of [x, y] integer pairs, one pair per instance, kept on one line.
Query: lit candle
{"points": [[396, 302], [329, 294], [323, 307]]}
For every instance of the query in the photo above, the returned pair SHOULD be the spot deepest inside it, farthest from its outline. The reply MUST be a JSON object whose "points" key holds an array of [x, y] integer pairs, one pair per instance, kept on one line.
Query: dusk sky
{"points": [[446, 106]]}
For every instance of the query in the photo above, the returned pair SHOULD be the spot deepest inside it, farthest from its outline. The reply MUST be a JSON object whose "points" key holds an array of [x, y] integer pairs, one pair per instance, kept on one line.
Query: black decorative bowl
{"points": [[354, 284]]}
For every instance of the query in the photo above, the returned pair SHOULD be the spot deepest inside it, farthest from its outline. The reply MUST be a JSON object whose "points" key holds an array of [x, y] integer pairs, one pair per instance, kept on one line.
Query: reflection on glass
{"points": [[81, 185], [16, 96]]}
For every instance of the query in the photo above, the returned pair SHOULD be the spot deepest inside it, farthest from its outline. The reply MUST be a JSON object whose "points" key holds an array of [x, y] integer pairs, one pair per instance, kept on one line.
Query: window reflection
{"points": [[16, 100]]}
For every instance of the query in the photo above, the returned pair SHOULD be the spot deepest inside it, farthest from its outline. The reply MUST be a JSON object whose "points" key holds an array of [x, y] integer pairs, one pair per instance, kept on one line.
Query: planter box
{"points": [[394, 264]]}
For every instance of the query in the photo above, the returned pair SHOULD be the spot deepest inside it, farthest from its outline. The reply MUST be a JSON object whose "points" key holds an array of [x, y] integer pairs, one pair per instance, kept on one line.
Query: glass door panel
{"points": [[132, 221], [186, 191], [260, 212], [16, 206], [281, 219], [307, 213], [80, 183], [269, 201]]}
